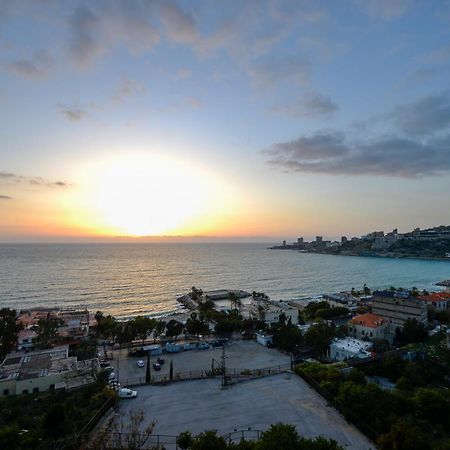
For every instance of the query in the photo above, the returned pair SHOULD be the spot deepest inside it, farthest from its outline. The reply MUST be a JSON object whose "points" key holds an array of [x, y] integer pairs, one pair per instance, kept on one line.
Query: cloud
{"points": [[96, 30], [312, 105], [36, 67], [179, 25], [384, 9], [270, 71], [8, 178], [332, 154], [72, 113], [5, 197], [439, 56], [425, 116], [128, 88], [184, 103]]}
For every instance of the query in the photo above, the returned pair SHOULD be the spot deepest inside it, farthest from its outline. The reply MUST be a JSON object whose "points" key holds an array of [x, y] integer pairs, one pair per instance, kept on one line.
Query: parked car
{"points": [[160, 361], [140, 363], [203, 345], [157, 366], [112, 376], [127, 393]]}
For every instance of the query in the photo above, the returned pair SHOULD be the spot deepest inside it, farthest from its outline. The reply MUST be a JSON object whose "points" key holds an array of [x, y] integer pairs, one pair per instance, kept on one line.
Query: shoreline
{"points": [[421, 258]]}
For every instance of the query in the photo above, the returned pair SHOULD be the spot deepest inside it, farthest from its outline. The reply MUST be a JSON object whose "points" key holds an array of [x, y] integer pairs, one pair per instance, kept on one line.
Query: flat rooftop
{"points": [[202, 405]]}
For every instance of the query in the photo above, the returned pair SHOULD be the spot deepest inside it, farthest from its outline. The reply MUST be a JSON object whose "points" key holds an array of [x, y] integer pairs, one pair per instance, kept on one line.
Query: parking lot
{"points": [[202, 404], [240, 355]]}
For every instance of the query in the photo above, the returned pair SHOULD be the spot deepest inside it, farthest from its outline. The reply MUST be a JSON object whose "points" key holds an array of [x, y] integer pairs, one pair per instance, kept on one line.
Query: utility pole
{"points": [[224, 370]]}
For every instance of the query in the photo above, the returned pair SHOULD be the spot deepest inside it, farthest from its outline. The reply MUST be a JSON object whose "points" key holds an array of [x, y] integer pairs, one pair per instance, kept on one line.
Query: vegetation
{"points": [[412, 332], [323, 310], [47, 329], [8, 331], [277, 437], [49, 417], [415, 415]]}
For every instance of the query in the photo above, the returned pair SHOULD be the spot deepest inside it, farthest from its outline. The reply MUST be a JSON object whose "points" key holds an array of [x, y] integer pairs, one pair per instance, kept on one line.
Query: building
{"points": [[25, 339], [270, 311], [44, 370], [264, 339], [437, 300], [341, 299], [349, 348], [397, 307], [368, 326]]}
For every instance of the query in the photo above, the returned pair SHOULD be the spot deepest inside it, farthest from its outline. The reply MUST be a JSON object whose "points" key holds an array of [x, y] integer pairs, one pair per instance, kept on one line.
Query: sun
{"points": [[141, 196]]}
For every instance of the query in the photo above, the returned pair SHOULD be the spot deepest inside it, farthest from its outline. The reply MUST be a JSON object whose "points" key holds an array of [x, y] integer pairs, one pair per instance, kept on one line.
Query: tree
{"points": [[195, 326], [366, 290], [196, 294], [55, 423], [142, 327], [412, 332], [107, 327], [206, 308], [171, 371], [319, 337], [47, 329], [174, 328], [147, 369], [160, 326], [403, 437], [286, 336], [208, 440], [9, 329], [235, 301], [131, 434], [184, 440]]}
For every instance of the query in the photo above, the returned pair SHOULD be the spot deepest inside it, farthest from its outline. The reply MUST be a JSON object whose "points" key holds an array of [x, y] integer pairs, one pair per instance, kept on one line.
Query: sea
{"points": [[126, 279]]}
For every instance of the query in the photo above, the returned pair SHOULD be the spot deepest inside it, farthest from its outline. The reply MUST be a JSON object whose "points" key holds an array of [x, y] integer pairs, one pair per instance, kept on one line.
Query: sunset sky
{"points": [[232, 119]]}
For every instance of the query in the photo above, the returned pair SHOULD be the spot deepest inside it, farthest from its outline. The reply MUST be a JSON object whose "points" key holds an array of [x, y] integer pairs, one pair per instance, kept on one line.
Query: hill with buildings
{"points": [[428, 243]]}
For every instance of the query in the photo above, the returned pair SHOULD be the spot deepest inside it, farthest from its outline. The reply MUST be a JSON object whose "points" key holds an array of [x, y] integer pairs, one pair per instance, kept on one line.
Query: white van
{"points": [[127, 393]]}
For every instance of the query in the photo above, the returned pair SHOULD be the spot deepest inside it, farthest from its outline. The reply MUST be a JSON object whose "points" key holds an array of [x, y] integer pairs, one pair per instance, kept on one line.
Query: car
{"points": [[160, 361], [112, 376], [140, 363], [203, 345], [157, 366], [127, 393]]}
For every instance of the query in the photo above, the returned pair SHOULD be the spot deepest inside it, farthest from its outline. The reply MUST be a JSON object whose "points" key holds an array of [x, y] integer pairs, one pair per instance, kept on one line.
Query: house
{"points": [[270, 311], [437, 300], [25, 339], [44, 370], [349, 348], [369, 326], [264, 339]]}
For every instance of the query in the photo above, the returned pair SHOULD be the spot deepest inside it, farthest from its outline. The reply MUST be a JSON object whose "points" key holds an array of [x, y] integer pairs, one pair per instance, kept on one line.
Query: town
{"points": [[337, 351], [429, 243]]}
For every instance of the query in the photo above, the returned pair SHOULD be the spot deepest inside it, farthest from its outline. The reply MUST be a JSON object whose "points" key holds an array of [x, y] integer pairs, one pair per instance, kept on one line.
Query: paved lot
{"points": [[200, 405], [239, 355]]}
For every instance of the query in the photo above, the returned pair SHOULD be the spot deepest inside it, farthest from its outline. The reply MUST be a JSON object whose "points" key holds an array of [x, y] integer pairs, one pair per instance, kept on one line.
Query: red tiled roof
{"points": [[436, 297], [368, 320]]}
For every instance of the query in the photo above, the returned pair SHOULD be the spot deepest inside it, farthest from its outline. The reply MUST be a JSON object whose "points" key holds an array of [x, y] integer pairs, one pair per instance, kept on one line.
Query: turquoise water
{"points": [[129, 279]]}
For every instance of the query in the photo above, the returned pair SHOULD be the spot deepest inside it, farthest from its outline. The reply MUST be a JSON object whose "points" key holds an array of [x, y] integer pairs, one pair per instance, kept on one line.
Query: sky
{"points": [[229, 120]]}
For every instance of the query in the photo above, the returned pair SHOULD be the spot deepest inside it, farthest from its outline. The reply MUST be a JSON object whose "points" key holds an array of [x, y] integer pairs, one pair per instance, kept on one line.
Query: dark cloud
{"points": [[425, 116], [331, 153], [97, 29], [8, 177], [5, 197], [36, 67], [72, 113], [311, 106]]}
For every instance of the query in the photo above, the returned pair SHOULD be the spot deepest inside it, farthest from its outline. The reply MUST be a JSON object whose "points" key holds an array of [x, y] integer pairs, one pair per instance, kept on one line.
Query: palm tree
{"points": [[235, 300]]}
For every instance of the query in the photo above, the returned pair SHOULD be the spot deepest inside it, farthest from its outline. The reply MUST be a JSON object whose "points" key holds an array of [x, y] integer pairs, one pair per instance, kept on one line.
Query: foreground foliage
{"points": [[39, 421], [414, 415]]}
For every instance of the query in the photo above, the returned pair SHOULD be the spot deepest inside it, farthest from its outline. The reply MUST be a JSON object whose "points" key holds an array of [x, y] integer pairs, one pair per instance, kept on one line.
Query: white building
{"points": [[38, 371], [264, 339], [349, 348], [270, 311]]}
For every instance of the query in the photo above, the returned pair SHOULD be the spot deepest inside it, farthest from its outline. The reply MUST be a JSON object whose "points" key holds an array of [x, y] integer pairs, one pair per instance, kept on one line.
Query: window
{"points": [[5, 391], [25, 391], [35, 390], [52, 387]]}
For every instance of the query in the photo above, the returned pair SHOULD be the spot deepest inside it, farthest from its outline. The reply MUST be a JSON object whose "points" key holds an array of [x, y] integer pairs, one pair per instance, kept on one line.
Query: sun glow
{"points": [[142, 195]]}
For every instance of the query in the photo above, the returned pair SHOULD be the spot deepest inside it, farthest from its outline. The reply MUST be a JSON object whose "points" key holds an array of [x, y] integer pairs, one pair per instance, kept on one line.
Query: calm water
{"points": [[128, 279]]}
